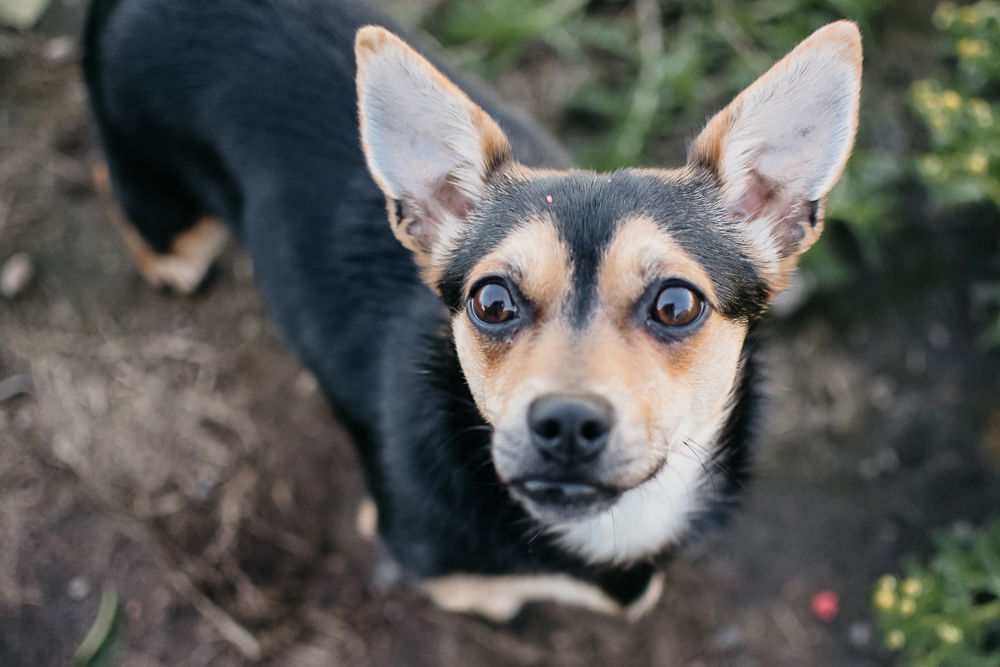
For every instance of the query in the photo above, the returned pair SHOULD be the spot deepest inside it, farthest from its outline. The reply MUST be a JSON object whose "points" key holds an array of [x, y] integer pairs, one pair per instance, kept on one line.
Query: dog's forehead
{"points": [[568, 221]]}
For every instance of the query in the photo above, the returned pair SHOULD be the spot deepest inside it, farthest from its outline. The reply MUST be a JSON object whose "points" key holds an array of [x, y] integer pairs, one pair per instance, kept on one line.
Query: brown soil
{"points": [[172, 449]]}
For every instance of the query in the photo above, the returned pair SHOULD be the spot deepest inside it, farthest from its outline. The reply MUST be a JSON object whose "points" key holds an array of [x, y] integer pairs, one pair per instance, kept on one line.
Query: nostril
{"points": [[593, 429], [548, 429]]}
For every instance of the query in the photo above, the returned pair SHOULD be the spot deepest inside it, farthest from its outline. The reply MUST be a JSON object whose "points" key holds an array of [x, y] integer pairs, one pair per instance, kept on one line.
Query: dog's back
{"points": [[247, 111]]}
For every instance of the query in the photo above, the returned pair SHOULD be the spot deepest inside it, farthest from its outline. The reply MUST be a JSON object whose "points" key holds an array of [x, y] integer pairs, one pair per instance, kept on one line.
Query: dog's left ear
{"points": [[780, 146], [429, 147]]}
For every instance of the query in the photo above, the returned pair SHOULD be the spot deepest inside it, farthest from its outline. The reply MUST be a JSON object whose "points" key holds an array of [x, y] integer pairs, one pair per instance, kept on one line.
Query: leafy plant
{"points": [[961, 113], [948, 611], [964, 127]]}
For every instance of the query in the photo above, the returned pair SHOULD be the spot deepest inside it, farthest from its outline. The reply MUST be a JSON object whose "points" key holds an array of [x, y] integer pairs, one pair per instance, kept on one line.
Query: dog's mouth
{"points": [[553, 500], [562, 499]]}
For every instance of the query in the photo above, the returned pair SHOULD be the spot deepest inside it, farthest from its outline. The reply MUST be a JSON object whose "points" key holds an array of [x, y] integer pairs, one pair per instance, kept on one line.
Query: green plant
{"points": [[961, 114], [948, 611], [963, 125]]}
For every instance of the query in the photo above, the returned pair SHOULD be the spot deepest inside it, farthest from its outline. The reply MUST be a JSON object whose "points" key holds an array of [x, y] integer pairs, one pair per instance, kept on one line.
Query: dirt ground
{"points": [[171, 451]]}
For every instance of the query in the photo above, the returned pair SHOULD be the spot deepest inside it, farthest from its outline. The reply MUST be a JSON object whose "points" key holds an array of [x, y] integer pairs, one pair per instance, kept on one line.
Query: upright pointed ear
{"points": [[429, 147], [781, 145]]}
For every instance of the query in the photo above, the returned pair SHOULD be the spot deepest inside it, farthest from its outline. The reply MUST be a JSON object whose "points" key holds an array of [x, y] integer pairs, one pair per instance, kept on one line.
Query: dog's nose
{"points": [[570, 428]]}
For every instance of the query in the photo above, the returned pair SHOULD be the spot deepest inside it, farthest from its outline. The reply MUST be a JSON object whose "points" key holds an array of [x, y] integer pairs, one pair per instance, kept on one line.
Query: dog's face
{"points": [[600, 319]]}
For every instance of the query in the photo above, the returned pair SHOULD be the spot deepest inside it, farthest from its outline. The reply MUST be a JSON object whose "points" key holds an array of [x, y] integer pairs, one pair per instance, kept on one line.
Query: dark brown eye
{"points": [[677, 306], [493, 304]]}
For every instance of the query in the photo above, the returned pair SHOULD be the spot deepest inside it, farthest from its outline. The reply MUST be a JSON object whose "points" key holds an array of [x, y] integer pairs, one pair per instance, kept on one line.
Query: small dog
{"points": [[539, 365]]}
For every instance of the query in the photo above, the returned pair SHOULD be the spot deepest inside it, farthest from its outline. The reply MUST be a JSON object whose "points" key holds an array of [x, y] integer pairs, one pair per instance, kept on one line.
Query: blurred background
{"points": [[174, 492]]}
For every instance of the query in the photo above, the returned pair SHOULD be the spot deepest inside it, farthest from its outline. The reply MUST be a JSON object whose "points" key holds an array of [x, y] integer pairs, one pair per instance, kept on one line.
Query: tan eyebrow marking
{"points": [[640, 252], [535, 256]]}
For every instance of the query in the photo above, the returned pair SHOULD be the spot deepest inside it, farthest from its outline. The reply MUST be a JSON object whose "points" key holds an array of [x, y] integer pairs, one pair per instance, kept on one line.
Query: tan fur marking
{"points": [[366, 520], [641, 252], [192, 251], [536, 255], [496, 148], [501, 598]]}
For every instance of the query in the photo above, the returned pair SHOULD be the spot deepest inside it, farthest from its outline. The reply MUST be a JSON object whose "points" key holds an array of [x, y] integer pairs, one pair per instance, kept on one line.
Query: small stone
{"points": [[939, 336], [133, 609], [305, 384], [859, 634], [250, 327], [385, 575], [16, 275], [58, 49], [78, 588], [23, 420], [393, 611], [15, 385], [888, 460], [727, 639]]}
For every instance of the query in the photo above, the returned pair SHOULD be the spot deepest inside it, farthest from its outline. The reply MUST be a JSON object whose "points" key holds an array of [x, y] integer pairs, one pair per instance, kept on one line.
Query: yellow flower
{"points": [[912, 587], [951, 100], [887, 583], [925, 93], [949, 634], [885, 599], [972, 48], [931, 164], [907, 606], [895, 639], [944, 15], [937, 121], [970, 15], [977, 162], [981, 111]]}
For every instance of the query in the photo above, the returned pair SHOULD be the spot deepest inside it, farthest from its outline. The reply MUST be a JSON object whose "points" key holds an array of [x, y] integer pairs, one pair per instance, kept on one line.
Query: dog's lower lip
{"points": [[551, 492]]}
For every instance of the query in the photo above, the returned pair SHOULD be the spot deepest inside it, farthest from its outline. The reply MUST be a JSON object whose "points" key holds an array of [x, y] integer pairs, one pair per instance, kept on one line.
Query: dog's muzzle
{"points": [[568, 433]]}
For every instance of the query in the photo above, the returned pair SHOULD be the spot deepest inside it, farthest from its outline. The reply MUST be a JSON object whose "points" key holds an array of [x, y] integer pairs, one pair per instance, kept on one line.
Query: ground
{"points": [[171, 452]]}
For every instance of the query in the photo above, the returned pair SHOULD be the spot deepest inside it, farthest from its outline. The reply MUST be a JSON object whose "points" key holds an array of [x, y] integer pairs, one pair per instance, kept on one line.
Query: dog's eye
{"points": [[677, 306], [492, 303]]}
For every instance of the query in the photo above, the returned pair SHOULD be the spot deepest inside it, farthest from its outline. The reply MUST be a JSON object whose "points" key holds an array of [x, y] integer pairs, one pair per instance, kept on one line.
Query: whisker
{"points": [[711, 477]]}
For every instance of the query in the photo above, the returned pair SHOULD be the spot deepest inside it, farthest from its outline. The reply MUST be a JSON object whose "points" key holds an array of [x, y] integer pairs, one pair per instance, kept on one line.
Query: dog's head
{"points": [[600, 318]]}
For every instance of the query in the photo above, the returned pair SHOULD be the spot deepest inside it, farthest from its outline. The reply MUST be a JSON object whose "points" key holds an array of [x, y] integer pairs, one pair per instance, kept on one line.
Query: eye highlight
{"points": [[677, 306], [492, 303]]}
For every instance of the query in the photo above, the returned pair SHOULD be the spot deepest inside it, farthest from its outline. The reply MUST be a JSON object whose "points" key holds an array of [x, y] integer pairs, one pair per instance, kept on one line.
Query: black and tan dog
{"points": [[540, 367]]}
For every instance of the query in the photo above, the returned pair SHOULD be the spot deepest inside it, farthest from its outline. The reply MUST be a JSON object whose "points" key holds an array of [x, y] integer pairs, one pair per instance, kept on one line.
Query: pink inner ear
{"points": [[759, 199], [764, 202], [451, 198]]}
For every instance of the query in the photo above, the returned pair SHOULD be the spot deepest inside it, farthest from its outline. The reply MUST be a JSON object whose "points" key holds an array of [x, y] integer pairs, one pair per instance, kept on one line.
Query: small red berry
{"points": [[825, 605]]}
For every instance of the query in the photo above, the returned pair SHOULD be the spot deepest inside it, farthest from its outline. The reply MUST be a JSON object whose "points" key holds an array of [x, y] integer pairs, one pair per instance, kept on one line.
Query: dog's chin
{"points": [[557, 503]]}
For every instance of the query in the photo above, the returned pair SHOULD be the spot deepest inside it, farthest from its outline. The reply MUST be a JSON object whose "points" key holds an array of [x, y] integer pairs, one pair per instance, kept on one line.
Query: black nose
{"points": [[570, 428]]}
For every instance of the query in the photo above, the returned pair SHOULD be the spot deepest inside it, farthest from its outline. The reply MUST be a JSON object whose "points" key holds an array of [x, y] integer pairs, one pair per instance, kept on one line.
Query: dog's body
{"points": [[247, 112]]}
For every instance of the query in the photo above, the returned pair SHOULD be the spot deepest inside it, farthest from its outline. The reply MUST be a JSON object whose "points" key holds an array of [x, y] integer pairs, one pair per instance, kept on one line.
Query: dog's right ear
{"points": [[428, 146]]}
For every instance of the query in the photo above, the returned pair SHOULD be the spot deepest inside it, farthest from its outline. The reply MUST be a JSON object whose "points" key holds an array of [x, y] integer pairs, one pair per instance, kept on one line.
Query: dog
{"points": [[540, 366]]}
